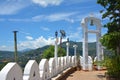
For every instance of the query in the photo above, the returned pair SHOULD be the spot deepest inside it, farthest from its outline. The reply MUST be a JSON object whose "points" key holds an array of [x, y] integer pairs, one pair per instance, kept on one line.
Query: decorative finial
{"points": [[91, 15]]}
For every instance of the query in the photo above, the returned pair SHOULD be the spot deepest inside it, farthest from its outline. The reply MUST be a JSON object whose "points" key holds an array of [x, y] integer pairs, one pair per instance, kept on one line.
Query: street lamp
{"points": [[56, 34], [56, 50]]}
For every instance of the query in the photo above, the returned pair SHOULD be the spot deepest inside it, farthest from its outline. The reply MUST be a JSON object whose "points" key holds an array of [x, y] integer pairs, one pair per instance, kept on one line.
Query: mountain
{"points": [[6, 54], [26, 50], [37, 52], [91, 48]]}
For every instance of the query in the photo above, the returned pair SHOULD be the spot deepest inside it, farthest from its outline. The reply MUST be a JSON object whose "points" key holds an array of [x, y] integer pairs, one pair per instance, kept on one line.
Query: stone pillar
{"points": [[56, 51], [55, 55], [67, 55], [75, 50], [99, 47], [67, 44], [103, 52], [85, 49]]}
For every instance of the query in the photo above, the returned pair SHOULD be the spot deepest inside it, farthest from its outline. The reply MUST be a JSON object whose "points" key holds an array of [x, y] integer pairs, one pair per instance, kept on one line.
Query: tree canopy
{"points": [[48, 53], [111, 11]]}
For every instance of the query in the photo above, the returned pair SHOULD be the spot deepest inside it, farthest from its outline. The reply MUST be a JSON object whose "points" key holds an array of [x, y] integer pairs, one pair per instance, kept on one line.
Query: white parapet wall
{"points": [[52, 67], [45, 70], [11, 71], [31, 71]]}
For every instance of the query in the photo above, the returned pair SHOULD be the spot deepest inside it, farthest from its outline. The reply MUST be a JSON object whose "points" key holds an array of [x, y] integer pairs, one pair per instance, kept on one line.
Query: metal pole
{"points": [[15, 46]]}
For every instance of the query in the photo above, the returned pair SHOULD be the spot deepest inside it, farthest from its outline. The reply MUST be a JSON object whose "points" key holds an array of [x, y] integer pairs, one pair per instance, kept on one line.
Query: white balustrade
{"points": [[31, 71], [69, 61], [73, 61], [81, 61], [59, 67], [65, 62], [44, 71], [90, 63], [11, 71], [62, 63], [52, 67]]}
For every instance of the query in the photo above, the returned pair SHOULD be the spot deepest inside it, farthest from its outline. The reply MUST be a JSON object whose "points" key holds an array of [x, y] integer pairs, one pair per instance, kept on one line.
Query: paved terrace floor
{"points": [[82, 75]]}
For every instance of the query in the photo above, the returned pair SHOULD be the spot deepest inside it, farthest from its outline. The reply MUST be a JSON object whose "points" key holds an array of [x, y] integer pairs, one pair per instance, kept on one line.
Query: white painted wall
{"points": [[32, 71]]}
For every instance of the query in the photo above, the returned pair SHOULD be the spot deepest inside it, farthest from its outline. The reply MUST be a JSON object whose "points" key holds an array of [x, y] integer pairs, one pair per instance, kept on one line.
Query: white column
{"points": [[75, 50], [67, 44], [67, 55], [85, 48], [99, 48], [103, 52], [55, 55]]}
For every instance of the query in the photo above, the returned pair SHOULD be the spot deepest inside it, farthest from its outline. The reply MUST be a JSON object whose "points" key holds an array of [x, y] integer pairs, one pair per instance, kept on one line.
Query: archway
{"points": [[94, 21]]}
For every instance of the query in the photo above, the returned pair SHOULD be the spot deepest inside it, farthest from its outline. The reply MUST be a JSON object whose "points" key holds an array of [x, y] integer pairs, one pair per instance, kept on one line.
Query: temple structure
{"points": [[85, 23]]}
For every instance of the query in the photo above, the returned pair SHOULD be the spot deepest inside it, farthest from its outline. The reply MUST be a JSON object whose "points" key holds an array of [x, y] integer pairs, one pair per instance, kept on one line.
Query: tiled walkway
{"points": [[82, 75]]}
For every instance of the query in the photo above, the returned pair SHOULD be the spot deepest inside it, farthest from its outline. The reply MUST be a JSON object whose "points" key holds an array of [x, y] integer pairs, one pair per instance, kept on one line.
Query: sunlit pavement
{"points": [[87, 75]]}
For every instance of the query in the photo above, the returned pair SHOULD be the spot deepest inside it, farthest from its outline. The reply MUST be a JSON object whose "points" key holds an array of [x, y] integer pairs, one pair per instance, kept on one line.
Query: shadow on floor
{"points": [[68, 75], [101, 76]]}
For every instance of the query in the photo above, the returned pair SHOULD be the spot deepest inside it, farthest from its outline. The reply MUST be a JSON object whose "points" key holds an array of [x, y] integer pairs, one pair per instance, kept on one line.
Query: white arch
{"points": [[98, 25]]}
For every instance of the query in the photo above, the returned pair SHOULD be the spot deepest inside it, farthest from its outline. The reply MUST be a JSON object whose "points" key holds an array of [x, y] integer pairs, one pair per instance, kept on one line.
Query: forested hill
{"points": [[37, 52]]}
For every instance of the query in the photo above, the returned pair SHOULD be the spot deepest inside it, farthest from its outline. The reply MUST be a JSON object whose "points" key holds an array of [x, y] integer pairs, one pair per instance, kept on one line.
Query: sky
{"points": [[37, 21]]}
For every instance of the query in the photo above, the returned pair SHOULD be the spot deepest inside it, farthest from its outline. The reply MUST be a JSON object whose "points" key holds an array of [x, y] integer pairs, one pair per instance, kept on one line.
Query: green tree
{"points": [[111, 11], [48, 53], [111, 40]]}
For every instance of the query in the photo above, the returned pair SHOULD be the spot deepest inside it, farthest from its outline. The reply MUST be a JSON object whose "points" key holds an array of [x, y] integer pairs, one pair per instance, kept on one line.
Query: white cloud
{"points": [[68, 16], [8, 7], [70, 2], [61, 16], [70, 20], [75, 35], [45, 28], [29, 38], [26, 33], [1, 19], [56, 17], [36, 43], [19, 20], [6, 48], [45, 3], [38, 18], [3, 46]]}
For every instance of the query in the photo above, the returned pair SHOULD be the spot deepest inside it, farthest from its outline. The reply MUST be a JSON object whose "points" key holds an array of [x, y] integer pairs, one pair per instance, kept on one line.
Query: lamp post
{"points": [[15, 45], [56, 49]]}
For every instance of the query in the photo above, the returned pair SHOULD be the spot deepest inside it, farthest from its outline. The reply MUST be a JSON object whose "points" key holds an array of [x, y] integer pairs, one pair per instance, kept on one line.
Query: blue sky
{"points": [[37, 20]]}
